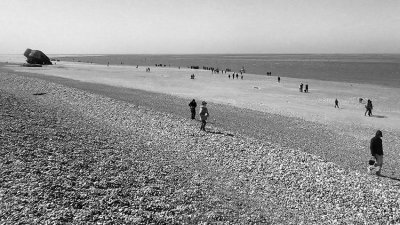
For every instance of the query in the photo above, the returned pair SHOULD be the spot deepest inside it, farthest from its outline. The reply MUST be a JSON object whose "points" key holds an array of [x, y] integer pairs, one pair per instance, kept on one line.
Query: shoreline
{"points": [[169, 171], [343, 143], [326, 67]]}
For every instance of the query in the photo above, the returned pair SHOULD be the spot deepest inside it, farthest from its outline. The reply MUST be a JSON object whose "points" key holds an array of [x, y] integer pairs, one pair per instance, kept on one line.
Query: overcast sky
{"points": [[199, 26]]}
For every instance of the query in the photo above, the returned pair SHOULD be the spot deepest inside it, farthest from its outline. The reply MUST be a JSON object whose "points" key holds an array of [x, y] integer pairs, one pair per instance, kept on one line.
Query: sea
{"points": [[377, 69]]}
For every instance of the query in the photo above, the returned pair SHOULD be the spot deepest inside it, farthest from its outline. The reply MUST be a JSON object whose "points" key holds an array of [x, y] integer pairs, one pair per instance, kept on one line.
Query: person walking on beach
{"points": [[193, 106], [279, 79], [377, 150], [336, 103], [203, 115], [301, 87], [306, 89], [368, 108], [229, 76]]}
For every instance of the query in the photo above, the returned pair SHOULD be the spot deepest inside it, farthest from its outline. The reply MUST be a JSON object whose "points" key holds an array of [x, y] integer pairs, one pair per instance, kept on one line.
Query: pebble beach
{"points": [[87, 150]]}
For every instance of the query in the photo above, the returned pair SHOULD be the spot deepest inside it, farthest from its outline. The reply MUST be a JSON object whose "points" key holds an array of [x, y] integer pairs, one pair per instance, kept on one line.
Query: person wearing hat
{"points": [[377, 150], [203, 115]]}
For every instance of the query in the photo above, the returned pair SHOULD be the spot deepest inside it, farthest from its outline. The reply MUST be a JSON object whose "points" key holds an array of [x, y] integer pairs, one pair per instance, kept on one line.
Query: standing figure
{"points": [[301, 87], [237, 75], [203, 115], [279, 79], [368, 108], [377, 150], [306, 89], [193, 106], [336, 103]]}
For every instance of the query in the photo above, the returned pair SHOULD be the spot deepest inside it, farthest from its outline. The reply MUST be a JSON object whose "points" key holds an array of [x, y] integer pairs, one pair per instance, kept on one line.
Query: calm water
{"points": [[378, 69]]}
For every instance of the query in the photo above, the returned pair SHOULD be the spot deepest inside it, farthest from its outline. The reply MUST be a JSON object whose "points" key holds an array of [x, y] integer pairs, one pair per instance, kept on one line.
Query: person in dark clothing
{"points": [[279, 79], [306, 89], [193, 106], [203, 115], [368, 108], [377, 150], [336, 103]]}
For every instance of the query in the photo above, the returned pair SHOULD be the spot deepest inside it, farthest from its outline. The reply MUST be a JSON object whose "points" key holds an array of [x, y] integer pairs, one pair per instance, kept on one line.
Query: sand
{"points": [[261, 93], [231, 169], [264, 94]]}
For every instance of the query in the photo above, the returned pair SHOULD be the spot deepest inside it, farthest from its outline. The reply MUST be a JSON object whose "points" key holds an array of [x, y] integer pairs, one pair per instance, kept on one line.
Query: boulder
{"points": [[36, 57]]}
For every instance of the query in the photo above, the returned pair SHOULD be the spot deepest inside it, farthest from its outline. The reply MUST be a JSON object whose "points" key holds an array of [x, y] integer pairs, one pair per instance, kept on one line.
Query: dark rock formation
{"points": [[36, 57]]}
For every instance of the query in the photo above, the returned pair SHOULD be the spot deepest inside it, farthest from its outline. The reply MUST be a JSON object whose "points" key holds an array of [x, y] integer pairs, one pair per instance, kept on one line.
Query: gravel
{"points": [[68, 155]]}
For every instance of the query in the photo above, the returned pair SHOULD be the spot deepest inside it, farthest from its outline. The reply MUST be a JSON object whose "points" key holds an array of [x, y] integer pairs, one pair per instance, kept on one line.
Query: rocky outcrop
{"points": [[36, 57]]}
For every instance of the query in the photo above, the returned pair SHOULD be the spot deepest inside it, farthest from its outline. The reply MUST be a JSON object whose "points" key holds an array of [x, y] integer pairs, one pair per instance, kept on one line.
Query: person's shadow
{"points": [[219, 132], [392, 178], [378, 116]]}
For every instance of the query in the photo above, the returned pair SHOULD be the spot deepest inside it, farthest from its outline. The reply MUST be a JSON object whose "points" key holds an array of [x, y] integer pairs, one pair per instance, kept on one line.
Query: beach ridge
{"points": [[112, 160]]}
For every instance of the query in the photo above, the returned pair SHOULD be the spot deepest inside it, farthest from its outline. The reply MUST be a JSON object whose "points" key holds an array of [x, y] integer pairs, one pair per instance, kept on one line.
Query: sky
{"points": [[200, 26]]}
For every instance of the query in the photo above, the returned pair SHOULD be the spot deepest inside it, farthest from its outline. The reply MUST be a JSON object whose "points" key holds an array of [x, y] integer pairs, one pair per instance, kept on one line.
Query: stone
{"points": [[36, 57]]}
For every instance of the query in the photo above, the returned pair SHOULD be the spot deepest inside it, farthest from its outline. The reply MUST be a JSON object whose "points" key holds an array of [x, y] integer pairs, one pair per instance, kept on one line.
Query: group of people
{"points": [[301, 88], [237, 76], [192, 76], [203, 113]]}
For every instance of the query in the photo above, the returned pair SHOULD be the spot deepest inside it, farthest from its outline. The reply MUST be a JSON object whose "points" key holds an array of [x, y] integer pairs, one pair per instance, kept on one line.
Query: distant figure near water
{"points": [[306, 89], [193, 106], [203, 115], [336, 103], [279, 79], [301, 87]]}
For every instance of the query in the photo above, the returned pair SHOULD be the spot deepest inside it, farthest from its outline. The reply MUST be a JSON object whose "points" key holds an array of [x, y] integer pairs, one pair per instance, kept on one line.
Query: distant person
{"points": [[229, 76], [233, 76], [301, 87], [377, 150], [241, 77], [368, 108], [336, 103], [306, 89], [193, 106], [203, 115], [237, 76], [279, 79]]}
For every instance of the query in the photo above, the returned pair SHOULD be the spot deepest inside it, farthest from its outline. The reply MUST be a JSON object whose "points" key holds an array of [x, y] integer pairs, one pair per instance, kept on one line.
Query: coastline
{"points": [[274, 112], [377, 69], [174, 172]]}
